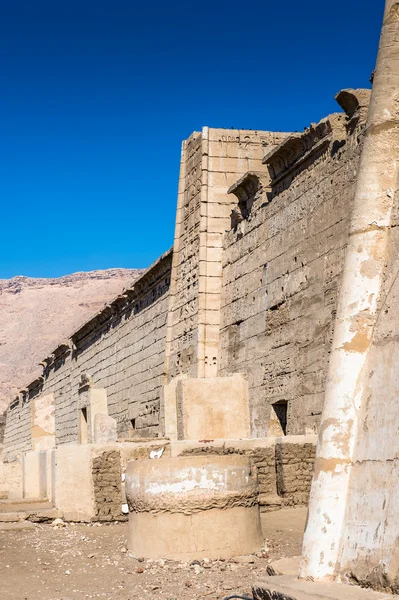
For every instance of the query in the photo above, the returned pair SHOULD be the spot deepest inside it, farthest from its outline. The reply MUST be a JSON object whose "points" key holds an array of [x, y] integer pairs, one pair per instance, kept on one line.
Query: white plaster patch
{"points": [[195, 478], [156, 453]]}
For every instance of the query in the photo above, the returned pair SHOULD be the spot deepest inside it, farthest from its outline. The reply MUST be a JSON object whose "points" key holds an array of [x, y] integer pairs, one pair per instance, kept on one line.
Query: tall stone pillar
{"points": [[349, 517]]}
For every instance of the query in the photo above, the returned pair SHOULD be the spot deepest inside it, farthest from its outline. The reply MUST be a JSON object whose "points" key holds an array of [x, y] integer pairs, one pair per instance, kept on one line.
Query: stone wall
{"points": [[120, 350], [2, 427], [211, 161], [282, 265], [11, 477], [261, 232], [17, 434]]}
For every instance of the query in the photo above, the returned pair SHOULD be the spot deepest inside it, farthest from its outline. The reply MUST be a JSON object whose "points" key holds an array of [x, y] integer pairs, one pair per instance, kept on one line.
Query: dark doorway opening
{"points": [[280, 411], [83, 433]]}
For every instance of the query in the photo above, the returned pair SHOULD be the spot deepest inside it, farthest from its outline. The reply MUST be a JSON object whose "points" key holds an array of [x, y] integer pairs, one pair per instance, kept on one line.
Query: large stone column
{"points": [[359, 308]]}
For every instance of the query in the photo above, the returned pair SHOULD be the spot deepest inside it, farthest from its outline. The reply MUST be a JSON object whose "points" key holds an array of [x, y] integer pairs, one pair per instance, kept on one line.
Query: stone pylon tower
{"points": [[211, 161], [353, 523]]}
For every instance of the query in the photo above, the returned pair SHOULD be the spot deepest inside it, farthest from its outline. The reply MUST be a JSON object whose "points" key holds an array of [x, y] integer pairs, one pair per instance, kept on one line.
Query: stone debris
{"points": [[285, 566], [58, 523], [197, 569], [244, 560]]}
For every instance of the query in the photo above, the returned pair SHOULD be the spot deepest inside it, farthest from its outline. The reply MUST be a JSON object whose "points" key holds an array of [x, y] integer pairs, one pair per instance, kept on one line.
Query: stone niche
{"points": [[207, 408], [193, 507], [94, 424], [252, 186]]}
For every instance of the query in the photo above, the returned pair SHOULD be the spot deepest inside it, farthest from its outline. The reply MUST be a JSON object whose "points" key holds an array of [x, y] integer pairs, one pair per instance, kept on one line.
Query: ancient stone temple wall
{"points": [[282, 264], [17, 435], [211, 161], [119, 353], [2, 427], [246, 301], [222, 341]]}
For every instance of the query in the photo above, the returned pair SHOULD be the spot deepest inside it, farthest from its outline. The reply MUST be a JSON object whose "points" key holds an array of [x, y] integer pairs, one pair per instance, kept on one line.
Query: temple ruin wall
{"points": [[122, 351], [250, 288], [281, 273]]}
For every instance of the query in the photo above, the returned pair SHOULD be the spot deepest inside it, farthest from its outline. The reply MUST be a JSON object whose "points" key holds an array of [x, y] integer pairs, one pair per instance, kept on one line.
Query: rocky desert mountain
{"points": [[37, 314]]}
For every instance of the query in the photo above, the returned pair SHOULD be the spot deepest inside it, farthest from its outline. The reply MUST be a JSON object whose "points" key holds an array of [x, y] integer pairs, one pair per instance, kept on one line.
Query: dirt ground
{"points": [[78, 562]]}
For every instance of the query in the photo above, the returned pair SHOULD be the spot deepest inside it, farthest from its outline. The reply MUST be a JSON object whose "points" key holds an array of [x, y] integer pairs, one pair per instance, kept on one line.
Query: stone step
{"points": [[16, 526], [42, 515], [6, 517], [35, 516], [287, 565], [285, 587], [27, 509], [23, 504]]}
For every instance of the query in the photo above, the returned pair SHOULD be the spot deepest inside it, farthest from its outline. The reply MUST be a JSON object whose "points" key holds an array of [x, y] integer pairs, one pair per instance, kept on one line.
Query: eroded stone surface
{"points": [[193, 507]]}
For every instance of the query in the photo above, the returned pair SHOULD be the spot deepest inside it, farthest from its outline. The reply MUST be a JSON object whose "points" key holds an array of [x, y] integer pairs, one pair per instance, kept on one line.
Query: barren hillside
{"points": [[37, 314]]}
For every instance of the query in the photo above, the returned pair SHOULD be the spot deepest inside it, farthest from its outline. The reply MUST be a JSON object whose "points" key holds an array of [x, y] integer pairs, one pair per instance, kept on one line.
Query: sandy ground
{"points": [[78, 562]]}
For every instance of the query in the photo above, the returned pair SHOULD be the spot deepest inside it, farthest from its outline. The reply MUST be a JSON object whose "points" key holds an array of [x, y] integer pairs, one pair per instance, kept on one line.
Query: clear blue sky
{"points": [[95, 98]]}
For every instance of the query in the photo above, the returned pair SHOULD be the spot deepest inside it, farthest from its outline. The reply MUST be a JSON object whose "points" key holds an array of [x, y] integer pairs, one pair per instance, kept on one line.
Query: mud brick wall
{"points": [[281, 274], [107, 484], [3, 483], [284, 469], [294, 472], [264, 460]]}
